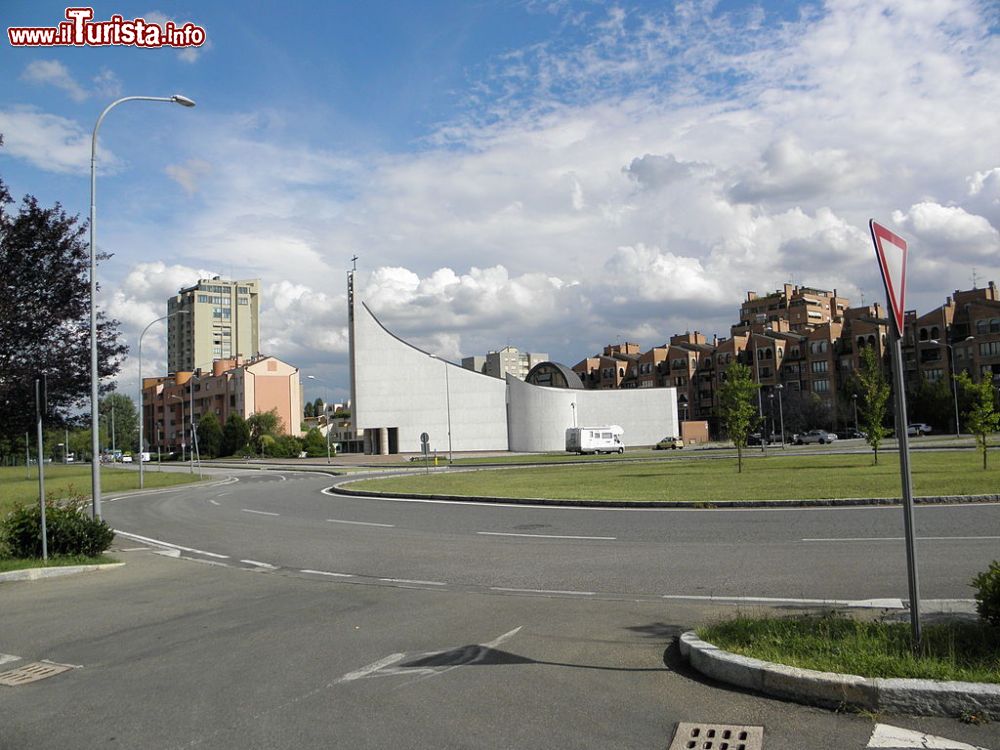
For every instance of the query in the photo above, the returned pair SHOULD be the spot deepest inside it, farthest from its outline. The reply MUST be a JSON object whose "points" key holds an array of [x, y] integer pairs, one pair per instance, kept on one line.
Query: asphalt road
{"points": [[294, 619], [284, 520]]}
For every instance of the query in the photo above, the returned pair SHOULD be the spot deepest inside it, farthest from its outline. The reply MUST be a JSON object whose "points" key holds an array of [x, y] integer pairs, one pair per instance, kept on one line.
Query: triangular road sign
{"points": [[890, 249]]}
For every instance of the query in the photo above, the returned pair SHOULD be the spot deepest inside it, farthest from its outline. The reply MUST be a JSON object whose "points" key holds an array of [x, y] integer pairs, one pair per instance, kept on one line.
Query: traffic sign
{"points": [[424, 438], [890, 249]]}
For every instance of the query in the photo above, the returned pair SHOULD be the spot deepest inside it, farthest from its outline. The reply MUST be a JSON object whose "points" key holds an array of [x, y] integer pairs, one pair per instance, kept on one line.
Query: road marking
{"points": [[542, 591], [327, 573], [858, 603], [214, 502], [372, 668], [407, 580], [260, 512], [384, 668], [6, 658], [544, 536], [900, 539], [131, 549], [223, 494], [160, 543], [260, 564], [362, 523], [885, 735]]}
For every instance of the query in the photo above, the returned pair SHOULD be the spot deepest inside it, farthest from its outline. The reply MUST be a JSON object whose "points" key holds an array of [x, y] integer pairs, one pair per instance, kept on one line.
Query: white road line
{"points": [[5, 658], [854, 603], [888, 736], [327, 573], [544, 536], [133, 549], [170, 545], [214, 502], [542, 591], [407, 580], [362, 523], [223, 494], [375, 666], [260, 564], [900, 539], [260, 512]]}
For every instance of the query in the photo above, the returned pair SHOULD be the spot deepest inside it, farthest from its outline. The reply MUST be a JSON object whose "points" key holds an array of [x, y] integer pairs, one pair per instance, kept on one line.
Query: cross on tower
{"points": [[354, 260]]}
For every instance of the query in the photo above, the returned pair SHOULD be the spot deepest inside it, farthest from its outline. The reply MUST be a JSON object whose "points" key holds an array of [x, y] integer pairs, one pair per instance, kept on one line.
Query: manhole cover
{"points": [[690, 736], [32, 673]]}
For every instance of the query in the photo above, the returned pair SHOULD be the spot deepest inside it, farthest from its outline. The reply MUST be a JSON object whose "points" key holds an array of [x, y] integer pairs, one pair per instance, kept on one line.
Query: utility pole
{"points": [[39, 408]]}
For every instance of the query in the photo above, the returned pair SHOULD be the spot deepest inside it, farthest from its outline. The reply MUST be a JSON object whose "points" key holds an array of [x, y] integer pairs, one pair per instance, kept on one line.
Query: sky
{"points": [[557, 176]]}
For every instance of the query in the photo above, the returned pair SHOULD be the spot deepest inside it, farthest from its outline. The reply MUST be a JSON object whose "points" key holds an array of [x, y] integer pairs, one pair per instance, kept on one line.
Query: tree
{"points": [[319, 407], [309, 410], [261, 424], [982, 418], [45, 317], [932, 402], [314, 443], [874, 399], [736, 407], [235, 435], [119, 409], [210, 436]]}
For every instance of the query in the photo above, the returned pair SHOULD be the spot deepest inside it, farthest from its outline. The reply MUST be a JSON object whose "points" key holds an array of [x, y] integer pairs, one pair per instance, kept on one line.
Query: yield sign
{"points": [[890, 249]]}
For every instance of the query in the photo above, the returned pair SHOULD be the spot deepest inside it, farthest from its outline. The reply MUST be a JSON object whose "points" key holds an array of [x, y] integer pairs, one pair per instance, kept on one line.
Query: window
{"points": [[820, 366], [821, 386], [982, 326], [935, 332], [995, 325], [934, 375], [989, 349]]}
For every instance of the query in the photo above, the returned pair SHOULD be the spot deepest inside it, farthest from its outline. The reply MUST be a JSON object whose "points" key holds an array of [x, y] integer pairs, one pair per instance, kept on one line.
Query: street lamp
{"points": [[954, 385], [181, 399], [326, 409], [854, 398], [447, 396], [95, 464], [755, 353], [142, 391], [781, 413]]}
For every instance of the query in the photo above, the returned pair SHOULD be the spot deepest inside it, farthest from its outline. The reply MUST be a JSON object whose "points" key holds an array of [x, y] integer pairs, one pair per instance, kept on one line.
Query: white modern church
{"points": [[399, 392]]}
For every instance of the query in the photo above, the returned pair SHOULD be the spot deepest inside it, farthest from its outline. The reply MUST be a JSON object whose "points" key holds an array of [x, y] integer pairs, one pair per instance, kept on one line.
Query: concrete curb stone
{"points": [[34, 574], [829, 689]]}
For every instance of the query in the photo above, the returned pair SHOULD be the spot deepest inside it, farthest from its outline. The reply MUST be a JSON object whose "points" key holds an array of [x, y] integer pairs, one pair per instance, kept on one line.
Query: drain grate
{"points": [[32, 673], [690, 736]]}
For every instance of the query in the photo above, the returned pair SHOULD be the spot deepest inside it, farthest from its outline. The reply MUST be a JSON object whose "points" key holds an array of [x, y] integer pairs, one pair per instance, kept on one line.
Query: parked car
{"points": [[669, 442], [755, 438], [815, 436], [127, 458], [917, 429], [851, 435]]}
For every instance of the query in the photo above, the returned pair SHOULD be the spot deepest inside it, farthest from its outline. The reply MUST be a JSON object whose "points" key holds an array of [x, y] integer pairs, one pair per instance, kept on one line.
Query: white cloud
{"points": [[54, 73], [49, 142], [950, 230], [189, 55], [189, 174]]}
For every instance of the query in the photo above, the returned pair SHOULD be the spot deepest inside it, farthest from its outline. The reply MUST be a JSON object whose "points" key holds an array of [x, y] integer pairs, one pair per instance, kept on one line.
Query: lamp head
{"points": [[182, 100]]}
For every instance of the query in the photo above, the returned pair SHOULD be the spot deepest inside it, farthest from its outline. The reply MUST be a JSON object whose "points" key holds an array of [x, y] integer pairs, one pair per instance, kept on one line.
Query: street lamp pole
{"points": [[954, 383], [326, 415], [181, 399], [95, 464], [781, 414], [854, 398], [142, 391], [755, 352]]}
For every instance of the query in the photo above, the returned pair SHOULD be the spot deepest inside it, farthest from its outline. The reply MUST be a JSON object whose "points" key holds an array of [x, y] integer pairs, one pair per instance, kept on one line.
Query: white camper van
{"points": [[595, 439]]}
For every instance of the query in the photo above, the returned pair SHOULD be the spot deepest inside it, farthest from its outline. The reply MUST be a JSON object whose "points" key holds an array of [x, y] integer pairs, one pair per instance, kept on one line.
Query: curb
{"points": [[830, 689], [34, 574], [339, 489]]}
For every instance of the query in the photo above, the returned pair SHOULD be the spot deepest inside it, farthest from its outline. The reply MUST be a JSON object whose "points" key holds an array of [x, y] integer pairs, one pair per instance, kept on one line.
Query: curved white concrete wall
{"points": [[398, 385], [539, 416]]}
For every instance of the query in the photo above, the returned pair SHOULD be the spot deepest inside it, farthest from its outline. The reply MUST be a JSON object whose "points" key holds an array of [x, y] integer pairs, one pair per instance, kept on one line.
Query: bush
{"points": [[70, 531], [987, 585]]}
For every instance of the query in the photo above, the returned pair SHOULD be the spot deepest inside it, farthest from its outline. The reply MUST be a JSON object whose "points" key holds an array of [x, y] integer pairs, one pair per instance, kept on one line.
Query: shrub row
{"points": [[69, 531]]}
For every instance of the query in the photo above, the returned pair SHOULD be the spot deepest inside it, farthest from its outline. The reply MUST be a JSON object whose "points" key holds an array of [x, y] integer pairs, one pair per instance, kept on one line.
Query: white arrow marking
{"points": [[898, 738], [384, 668], [4, 658]]}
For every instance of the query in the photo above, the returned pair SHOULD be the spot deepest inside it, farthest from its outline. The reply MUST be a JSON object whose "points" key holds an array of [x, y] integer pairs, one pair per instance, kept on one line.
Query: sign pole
{"points": [[904, 471], [890, 250]]}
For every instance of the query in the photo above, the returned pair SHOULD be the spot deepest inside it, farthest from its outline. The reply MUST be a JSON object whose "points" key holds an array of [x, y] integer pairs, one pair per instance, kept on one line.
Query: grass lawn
{"points": [[801, 476], [966, 651], [8, 564], [20, 485], [531, 458]]}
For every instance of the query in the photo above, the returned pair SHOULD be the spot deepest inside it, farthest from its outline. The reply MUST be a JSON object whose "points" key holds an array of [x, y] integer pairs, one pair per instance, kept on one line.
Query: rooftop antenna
{"points": [[354, 260], [974, 278]]}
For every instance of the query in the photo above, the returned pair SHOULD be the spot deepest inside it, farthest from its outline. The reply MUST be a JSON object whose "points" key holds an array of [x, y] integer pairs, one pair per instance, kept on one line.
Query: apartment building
{"points": [[504, 362], [174, 402], [221, 321]]}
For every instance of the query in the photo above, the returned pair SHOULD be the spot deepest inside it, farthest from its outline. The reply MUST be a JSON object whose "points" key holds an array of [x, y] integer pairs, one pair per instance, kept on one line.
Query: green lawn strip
{"points": [[964, 651], [8, 564], [18, 485], [530, 458], [773, 478]]}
